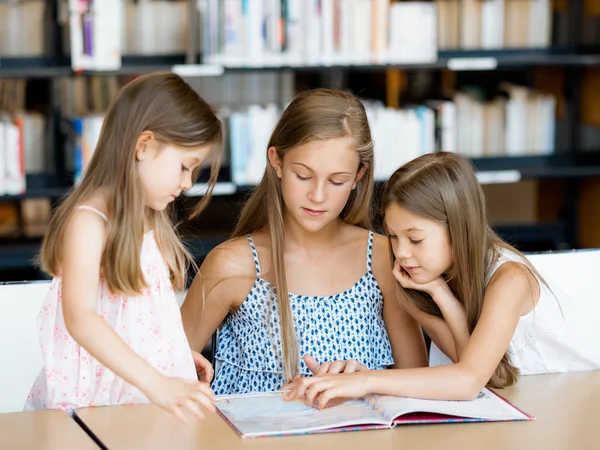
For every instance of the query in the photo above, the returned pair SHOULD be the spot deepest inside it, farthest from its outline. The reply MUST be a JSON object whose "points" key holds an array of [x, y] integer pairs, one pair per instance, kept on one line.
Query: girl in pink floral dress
{"points": [[110, 327]]}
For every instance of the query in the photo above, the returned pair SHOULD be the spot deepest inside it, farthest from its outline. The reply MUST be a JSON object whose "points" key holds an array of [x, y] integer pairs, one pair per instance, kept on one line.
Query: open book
{"points": [[267, 414]]}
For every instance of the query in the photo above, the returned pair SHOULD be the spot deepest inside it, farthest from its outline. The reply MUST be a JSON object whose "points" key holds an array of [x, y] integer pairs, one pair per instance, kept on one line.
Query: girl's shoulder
{"points": [[378, 246], [504, 262], [95, 203], [229, 271], [378, 251], [512, 274], [353, 234], [232, 258], [84, 219], [511, 269]]}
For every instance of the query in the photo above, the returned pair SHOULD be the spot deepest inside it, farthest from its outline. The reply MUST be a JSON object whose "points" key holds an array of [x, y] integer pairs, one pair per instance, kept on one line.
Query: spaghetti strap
{"points": [[369, 251], [254, 255], [91, 208]]}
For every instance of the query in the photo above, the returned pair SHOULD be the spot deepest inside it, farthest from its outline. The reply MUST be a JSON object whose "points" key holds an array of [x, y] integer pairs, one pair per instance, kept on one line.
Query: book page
{"points": [[486, 406], [269, 414]]}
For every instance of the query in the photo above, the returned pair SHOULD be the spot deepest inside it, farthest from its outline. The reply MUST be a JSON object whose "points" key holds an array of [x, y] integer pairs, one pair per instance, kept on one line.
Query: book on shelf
{"points": [[12, 171], [268, 414], [86, 133], [494, 24], [22, 139], [138, 27], [35, 214], [84, 101], [94, 32], [154, 27], [23, 28], [27, 219]]}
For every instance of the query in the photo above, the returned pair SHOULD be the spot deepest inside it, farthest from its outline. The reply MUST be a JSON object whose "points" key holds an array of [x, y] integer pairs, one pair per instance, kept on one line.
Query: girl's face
{"points": [[165, 171], [421, 246], [317, 179]]}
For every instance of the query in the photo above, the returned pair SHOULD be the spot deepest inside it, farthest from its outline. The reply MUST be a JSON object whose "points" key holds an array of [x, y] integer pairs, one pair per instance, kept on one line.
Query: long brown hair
{"points": [[166, 105], [313, 115], [443, 187]]}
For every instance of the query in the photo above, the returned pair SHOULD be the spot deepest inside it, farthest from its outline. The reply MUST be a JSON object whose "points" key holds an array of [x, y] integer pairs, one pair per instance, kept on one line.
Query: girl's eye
{"points": [[302, 178], [184, 169], [416, 242], [335, 183]]}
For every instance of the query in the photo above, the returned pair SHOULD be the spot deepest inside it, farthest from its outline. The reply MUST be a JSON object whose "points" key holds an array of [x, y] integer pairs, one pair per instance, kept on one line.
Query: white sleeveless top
{"points": [[553, 337]]}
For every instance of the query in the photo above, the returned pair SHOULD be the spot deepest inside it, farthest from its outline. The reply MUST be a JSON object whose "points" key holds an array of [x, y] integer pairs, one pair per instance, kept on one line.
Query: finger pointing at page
{"points": [[311, 363]]}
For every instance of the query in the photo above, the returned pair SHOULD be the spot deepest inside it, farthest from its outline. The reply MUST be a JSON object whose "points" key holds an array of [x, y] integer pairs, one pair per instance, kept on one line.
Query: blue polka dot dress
{"points": [[348, 325]]}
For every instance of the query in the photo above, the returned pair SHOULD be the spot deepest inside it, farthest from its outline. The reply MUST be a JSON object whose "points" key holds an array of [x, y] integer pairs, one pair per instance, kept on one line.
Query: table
{"points": [[43, 430], [566, 407]]}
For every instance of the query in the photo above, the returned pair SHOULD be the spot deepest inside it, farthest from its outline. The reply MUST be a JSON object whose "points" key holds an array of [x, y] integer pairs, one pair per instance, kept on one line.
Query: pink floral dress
{"points": [[150, 323]]}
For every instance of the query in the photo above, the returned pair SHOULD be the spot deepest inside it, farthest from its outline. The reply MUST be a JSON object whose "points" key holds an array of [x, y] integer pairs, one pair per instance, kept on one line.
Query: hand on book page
{"points": [[332, 367], [178, 395], [286, 389], [320, 391], [327, 368]]}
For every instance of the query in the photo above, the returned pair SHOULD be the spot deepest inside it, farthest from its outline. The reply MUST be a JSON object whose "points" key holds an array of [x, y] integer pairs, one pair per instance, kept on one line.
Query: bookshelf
{"points": [[481, 60], [536, 167], [568, 166]]}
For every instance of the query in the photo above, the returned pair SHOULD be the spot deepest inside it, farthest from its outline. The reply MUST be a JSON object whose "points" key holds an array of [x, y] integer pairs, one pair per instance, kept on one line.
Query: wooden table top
{"points": [[566, 407]]}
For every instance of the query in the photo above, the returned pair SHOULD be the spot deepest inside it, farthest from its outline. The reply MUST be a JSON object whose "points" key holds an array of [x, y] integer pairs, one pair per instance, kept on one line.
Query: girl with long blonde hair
{"points": [[110, 326], [304, 283], [489, 313]]}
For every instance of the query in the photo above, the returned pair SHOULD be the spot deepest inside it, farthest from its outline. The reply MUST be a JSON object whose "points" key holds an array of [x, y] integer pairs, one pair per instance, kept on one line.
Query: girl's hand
{"points": [[330, 368], [433, 288], [204, 368], [328, 390], [178, 394], [327, 368]]}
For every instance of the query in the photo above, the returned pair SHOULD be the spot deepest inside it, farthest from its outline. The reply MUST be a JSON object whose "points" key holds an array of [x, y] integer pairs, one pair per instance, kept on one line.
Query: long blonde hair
{"points": [[313, 115], [443, 187], [166, 105]]}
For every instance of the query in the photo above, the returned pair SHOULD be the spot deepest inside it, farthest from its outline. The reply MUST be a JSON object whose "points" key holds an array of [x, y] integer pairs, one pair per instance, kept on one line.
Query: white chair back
{"points": [[20, 353]]}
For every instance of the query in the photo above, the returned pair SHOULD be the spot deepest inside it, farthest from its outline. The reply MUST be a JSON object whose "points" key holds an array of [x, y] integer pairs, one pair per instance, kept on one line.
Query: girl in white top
{"points": [[481, 301]]}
